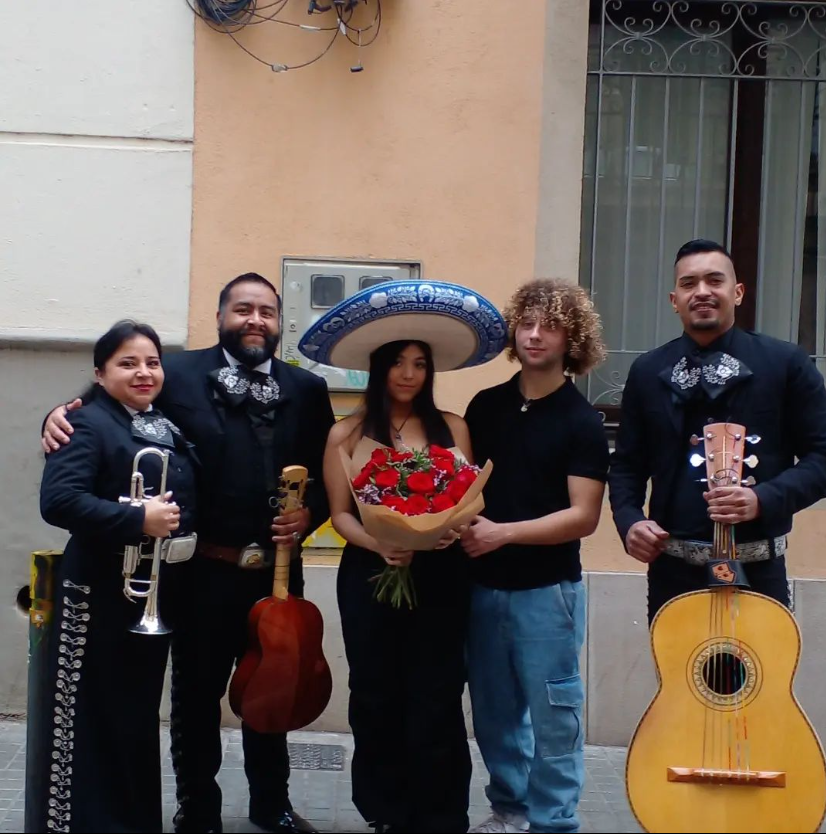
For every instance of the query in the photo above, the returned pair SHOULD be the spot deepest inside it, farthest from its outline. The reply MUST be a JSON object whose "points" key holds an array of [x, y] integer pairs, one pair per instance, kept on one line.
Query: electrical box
{"points": [[310, 287]]}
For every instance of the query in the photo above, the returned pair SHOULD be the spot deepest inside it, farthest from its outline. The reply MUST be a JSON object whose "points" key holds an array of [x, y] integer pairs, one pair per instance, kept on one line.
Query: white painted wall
{"points": [[96, 122]]}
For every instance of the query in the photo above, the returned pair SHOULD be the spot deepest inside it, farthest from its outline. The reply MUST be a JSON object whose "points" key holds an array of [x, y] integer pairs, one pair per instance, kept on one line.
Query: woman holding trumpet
{"points": [[109, 650]]}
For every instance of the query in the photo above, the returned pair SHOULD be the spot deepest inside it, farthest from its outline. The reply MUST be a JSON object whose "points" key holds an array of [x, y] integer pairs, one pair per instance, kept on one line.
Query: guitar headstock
{"points": [[291, 488], [724, 444]]}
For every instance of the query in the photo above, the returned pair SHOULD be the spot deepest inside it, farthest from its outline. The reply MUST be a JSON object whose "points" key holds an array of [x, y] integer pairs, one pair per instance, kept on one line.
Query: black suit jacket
{"points": [[784, 402], [303, 419], [83, 480]]}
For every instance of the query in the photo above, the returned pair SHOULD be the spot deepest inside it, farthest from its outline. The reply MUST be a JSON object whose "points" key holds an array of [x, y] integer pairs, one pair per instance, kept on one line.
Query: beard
{"points": [[250, 356]]}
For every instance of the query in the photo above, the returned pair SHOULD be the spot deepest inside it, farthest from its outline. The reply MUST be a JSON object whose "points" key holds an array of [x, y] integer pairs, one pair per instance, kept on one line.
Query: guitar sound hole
{"points": [[724, 673]]}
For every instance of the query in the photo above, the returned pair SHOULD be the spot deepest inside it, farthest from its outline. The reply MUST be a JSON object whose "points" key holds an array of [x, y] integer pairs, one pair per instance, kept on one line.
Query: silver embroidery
{"points": [[265, 392], [680, 375], [235, 384], [727, 368], [75, 617], [155, 429]]}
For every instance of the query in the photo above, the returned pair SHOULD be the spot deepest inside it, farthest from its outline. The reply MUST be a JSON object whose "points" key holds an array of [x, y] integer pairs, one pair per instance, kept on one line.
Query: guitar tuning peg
{"points": [[750, 481], [694, 440], [751, 461], [696, 460], [753, 438]]}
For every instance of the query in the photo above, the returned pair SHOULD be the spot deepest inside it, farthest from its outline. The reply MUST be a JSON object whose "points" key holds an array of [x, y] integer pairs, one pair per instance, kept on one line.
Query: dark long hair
{"points": [[376, 423], [107, 345]]}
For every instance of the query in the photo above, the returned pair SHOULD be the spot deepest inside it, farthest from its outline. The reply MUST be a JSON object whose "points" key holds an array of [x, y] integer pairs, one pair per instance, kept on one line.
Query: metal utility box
{"points": [[310, 287]]}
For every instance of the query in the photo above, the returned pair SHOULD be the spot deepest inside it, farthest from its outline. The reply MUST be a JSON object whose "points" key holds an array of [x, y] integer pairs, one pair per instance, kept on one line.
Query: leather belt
{"points": [[698, 553], [250, 557]]}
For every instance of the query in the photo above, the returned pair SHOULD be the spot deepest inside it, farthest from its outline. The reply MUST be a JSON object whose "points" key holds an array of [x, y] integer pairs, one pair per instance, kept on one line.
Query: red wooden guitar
{"points": [[283, 681]]}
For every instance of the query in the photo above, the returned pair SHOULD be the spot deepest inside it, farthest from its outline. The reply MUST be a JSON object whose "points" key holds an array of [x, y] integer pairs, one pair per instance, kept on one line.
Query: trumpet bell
{"points": [[150, 625]]}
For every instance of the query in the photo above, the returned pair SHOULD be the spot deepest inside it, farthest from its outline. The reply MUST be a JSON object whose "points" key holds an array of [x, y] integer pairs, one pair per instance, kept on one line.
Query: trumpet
{"points": [[135, 589]]}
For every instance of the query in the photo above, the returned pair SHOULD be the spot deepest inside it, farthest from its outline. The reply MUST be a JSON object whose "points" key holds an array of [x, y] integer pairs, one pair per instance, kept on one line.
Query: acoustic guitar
{"points": [[724, 745], [283, 682]]}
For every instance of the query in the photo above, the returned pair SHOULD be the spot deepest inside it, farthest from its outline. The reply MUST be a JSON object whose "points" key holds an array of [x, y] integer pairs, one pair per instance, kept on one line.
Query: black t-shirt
{"points": [[533, 453]]}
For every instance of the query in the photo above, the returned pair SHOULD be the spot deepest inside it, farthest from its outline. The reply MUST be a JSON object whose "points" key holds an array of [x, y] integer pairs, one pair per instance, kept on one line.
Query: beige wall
{"points": [[432, 154]]}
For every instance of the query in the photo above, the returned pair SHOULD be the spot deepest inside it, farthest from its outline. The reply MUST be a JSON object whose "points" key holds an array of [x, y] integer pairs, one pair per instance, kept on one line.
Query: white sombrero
{"points": [[461, 327]]}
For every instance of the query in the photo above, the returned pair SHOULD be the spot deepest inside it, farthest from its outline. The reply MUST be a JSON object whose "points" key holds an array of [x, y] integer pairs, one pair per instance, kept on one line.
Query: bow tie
{"points": [[240, 386], [709, 375], [153, 426]]}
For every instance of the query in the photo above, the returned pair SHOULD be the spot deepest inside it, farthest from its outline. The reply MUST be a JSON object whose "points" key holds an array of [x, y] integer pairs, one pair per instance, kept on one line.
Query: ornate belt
{"points": [[251, 557], [698, 553]]}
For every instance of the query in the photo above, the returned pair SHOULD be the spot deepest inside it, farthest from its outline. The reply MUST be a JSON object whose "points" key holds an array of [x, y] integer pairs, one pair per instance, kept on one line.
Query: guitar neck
{"points": [[281, 581], [291, 491], [723, 541]]}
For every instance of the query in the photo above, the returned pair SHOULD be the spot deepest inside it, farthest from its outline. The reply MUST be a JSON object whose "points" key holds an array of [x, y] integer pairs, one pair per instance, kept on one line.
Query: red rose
{"points": [[380, 455], [422, 483], [387, 478], [443, 465], [466, 476], [442, 502], [456, 491], [440, 452], [398, 457], [362, 479], [394, 502], [416, 505]]}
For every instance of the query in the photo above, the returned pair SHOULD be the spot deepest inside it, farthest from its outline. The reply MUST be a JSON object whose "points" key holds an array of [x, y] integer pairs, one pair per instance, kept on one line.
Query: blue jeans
{"points": [[527, 697]]}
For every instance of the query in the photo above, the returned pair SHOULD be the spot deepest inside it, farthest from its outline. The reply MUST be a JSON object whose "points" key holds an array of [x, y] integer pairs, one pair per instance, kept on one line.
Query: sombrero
{"points": [[461, 327]]}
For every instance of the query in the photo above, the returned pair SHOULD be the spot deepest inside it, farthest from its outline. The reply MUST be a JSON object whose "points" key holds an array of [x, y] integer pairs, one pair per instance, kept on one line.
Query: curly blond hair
{"points": [[558, 303]]}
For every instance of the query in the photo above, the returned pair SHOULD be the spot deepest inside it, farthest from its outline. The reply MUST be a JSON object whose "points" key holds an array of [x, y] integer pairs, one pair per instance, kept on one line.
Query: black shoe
{"points": [[187, 823], [281, 822]]}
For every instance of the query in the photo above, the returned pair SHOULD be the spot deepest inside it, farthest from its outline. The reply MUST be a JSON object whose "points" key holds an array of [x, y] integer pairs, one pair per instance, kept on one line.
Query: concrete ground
{"points": [[320, 784]]}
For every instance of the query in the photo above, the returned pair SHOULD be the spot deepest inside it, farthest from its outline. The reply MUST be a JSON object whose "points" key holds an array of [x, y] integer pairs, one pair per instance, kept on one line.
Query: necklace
{"points": [[526, 403], [398, 431]]}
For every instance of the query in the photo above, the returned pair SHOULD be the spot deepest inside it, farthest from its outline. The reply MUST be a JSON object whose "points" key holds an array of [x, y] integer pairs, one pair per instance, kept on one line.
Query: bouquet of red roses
{"points": [[410, 500]]}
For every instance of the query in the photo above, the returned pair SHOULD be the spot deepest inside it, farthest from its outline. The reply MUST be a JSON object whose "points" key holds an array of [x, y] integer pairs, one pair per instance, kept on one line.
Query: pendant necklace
{"points": [[398, 431], [526, 404]]}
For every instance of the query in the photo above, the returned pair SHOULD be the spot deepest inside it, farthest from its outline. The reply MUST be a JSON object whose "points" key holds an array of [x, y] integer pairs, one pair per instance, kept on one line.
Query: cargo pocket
{"points": [[561, 734]]}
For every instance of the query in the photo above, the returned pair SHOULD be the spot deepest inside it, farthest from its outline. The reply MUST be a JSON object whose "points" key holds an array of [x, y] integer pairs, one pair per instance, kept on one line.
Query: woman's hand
{"points": [[162, 516], [450, 536], [394, 556]]}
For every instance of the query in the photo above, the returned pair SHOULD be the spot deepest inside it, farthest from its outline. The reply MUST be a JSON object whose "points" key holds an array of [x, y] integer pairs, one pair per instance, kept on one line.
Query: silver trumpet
{"points": [[150, 622]]}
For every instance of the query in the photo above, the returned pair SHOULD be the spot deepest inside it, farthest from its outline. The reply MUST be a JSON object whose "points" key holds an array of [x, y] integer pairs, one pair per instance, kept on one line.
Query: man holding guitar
{"points": [[249, 414], [715, 372]]}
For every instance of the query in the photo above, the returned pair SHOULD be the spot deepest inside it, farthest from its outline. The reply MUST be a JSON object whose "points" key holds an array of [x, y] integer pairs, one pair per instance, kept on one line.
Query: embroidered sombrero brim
{"points": [[462, 328]]}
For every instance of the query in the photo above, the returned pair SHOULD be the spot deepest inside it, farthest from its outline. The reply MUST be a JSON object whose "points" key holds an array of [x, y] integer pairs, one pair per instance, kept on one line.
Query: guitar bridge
{"points": [[714, 776]]}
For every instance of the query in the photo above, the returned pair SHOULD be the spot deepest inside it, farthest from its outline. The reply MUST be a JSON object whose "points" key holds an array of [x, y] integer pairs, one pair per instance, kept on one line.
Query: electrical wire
{"points": [[231, 16]]}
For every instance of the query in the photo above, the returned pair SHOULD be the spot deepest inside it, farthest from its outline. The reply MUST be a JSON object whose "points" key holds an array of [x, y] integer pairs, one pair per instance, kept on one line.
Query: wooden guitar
{"points": [[283, 681], [724, 745]]}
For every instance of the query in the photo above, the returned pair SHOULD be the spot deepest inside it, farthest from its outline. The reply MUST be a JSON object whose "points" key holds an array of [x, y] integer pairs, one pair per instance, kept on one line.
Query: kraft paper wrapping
{"points": [[417, 532]]}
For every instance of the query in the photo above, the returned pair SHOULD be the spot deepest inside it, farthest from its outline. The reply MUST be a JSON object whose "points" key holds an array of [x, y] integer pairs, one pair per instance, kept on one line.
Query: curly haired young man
{"points": [[527, 620]]}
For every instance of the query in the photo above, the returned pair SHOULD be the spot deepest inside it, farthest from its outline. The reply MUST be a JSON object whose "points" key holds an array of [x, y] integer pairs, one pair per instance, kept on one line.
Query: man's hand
{"points": [[285, 525], [645, 540], [483, 536], [450, 536], [57, 429], [732, 505]]}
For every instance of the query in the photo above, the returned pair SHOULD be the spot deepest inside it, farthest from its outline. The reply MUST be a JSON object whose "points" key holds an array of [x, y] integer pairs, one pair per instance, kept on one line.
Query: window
{"points": [[326, 291], [703, 120], [371, 281]]}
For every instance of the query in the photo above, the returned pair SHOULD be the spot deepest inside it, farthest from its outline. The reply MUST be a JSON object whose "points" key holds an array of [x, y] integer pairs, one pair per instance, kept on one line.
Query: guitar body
{"points": [[724, 745], [283, 682]]}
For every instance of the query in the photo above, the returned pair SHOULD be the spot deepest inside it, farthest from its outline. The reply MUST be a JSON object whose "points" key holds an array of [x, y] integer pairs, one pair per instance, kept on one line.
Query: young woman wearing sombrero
{"points": [[411, 767]]}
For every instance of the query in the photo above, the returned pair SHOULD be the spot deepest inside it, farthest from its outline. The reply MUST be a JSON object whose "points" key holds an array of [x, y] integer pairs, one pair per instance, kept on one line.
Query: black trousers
{"points": [[205, 649], [411, 766], [669, 577], [102, 707]]}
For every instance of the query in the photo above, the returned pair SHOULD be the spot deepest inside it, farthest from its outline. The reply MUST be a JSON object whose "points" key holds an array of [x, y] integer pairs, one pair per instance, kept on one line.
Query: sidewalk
{"points": [[320, 784]]}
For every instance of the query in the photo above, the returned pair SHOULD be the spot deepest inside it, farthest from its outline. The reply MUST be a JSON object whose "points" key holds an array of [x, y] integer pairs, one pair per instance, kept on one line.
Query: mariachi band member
{"points": [[249, 414], [107, 681], [411, 764]]}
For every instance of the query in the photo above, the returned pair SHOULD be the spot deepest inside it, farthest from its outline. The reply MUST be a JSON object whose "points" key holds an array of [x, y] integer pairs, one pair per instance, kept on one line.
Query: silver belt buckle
{"points": [[254, 557], [180, 549]]}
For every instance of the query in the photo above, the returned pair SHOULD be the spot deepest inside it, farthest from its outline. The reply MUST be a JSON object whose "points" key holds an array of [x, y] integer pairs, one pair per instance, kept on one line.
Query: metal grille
{"points": [[316, 756], [664, 86]]}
